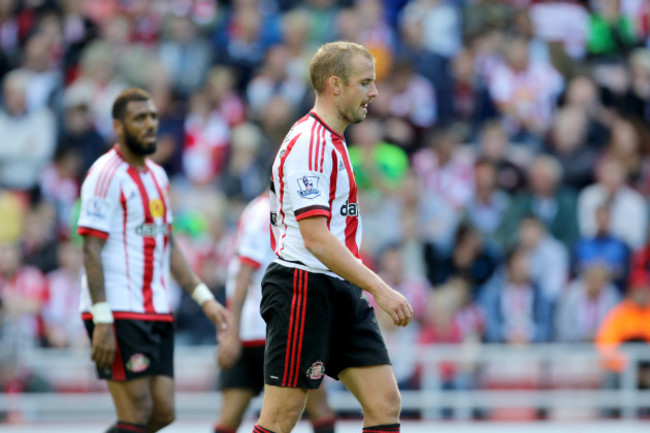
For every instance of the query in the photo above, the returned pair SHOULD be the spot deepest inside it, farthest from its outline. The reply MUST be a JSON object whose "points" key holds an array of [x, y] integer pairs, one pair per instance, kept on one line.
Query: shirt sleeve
{"points": [[307, 173], [99, 201]]}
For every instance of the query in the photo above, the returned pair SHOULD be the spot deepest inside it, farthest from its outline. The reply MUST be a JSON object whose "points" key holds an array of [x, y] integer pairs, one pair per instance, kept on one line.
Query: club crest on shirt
{"points": [[138, 363], [156, 208], [316, 370], [308, 187]]}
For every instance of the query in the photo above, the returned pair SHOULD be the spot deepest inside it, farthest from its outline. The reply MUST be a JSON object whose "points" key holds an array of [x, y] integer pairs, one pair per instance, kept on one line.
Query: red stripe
{"points": [[221, 429], [123, 426], [124, 243], [253, 343], [92, 232], [250, 262], [258, 429], [149, 244], [109, 177], [319, 133], [281, 175], [101, 177], [351, 222], [311, 145], [294, 339], [302, 324], [164, 218], [333, 181], [322, 152], [118, 366], [293, 307], [313, 212]]}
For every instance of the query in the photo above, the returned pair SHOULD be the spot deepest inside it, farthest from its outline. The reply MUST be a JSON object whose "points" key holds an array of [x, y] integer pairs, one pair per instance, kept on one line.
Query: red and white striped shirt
{"points": [[312, 175], [253, 248], [130, 209]]}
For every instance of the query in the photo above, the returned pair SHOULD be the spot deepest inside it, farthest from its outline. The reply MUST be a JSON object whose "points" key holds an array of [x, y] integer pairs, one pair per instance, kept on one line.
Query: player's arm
{"points": [[190, 282], [333, 254], [230, 346], [103, 347]]}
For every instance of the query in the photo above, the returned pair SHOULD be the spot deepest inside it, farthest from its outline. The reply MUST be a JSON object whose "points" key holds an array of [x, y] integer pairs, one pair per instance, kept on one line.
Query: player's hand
{"points": [[229, 349], [395, 305], [218, 315], [103, 349]]}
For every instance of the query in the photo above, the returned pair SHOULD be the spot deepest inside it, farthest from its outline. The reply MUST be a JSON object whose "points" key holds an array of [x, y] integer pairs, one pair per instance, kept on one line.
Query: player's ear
{"points": [[335, 83], [118, 127]]}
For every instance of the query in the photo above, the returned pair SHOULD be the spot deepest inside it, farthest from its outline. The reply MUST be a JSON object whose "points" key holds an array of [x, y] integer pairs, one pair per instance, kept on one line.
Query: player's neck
{"points": [[328, 112], [137, 161]]}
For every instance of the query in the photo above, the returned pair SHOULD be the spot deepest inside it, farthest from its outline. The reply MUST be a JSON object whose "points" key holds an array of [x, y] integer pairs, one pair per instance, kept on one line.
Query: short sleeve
{"points": [[308, 182], [99, 201]]}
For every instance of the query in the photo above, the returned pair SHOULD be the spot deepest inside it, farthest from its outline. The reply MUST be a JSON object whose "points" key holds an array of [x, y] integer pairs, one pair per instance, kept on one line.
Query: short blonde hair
{"points": [[333, 59]]}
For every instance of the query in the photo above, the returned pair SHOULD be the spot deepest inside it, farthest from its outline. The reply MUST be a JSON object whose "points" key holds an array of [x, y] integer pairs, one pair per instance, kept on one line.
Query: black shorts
{"points": [[144, 348], [246, 373], [315, 325]]}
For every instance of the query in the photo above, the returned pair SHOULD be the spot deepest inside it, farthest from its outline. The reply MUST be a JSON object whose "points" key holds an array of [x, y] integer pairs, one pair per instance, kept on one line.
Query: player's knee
{"points": [[385, 407], [141, 408], [288, 416], [162, 419]]}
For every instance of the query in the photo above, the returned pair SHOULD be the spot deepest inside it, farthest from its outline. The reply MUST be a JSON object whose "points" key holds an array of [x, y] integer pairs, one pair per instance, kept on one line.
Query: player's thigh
{"points": [[162, 393], [374, 387], [234, 403], [132, 399], [317, 406]]}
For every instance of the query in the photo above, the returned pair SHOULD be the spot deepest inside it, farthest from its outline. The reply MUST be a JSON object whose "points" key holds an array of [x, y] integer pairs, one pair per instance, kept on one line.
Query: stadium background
{"points": [[503, 175]]}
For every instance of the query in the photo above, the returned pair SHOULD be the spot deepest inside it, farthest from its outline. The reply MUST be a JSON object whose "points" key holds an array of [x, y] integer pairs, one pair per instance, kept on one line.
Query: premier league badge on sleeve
{"points": [[308, 187]]}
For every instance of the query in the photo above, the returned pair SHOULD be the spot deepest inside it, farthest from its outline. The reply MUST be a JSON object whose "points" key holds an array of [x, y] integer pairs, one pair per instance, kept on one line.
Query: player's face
{"points": [[141, 127], [359, 91]]}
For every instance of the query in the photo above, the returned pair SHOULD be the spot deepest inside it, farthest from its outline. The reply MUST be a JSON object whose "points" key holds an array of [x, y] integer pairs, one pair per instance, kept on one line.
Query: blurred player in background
{"points": [[318, 321], [241, 349], [129, 250]]}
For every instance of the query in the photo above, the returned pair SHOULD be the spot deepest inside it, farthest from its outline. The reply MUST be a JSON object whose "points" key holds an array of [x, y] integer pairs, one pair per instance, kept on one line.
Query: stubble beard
{"points": [[136, 146]]}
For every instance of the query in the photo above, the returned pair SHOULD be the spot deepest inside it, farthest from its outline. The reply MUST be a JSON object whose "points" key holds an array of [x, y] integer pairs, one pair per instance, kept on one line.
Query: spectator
{"points": [[494, 147], [61, 311], [516, 311], [605, 249], [489, 205], [585, 304], [583, 94], [628, 210], [525, 92], [610, 33], [32, 135], [547, 201], [23, 292], [625, 146], [568, 144]]}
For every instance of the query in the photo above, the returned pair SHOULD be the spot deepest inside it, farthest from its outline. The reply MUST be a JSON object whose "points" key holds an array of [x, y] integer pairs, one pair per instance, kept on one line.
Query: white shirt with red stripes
{"points": [[312, 175], [252, 247], [130, 209]]}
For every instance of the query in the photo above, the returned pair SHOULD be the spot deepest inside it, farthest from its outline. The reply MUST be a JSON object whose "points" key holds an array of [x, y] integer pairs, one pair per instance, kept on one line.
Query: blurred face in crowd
{"points": [[640, 295], [358, 91], [391, 264], [602, 219], [531, 232], [517, 54], [569, 129], [581, 92], [14, 94], [596, 278], [140, 127], [486, 178], [366, 134], [543, 177], [494, 142], [611, 175], [518, 269], [624, 139]]}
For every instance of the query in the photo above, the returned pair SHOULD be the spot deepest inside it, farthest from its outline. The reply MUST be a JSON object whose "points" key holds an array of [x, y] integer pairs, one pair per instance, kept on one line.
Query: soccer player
{"points": [[318, 321], [241, 349], [129, 250]]}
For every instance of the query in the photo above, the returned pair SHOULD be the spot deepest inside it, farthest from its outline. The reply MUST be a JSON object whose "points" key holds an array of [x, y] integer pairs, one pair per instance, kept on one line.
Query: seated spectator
{"points": [[470, 259], [29, 136], [39, 239], [568, 144], [377, 164], [61, 310], [585, 303], [23, 291], [486, 211], [627, 322], [603, 248], [582, 93], [494, 147], [628, 209], [610, 32], [626, 146], [525, 92], [549, 259], [547, 201], [515, 309]]}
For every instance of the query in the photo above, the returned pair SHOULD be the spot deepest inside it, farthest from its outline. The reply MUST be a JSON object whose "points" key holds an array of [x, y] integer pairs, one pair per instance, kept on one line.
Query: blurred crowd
{"points": [[503, 168]]}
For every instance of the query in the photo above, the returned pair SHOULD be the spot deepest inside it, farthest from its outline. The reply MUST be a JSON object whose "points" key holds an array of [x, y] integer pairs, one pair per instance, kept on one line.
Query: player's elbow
{"points": [[311, 244]]}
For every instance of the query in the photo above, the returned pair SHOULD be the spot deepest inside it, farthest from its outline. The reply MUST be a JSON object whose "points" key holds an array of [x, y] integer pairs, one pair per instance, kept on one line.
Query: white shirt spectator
{"points": [[549, 266], [564, 22]]}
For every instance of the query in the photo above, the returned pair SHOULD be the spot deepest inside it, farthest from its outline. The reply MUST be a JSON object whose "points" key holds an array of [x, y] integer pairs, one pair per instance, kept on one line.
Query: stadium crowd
{"points": [[503, 169]]}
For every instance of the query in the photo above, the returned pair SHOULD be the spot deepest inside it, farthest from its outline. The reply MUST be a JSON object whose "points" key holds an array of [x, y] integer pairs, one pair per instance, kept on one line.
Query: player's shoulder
{"points": [[105, 168], [157, 170]]}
